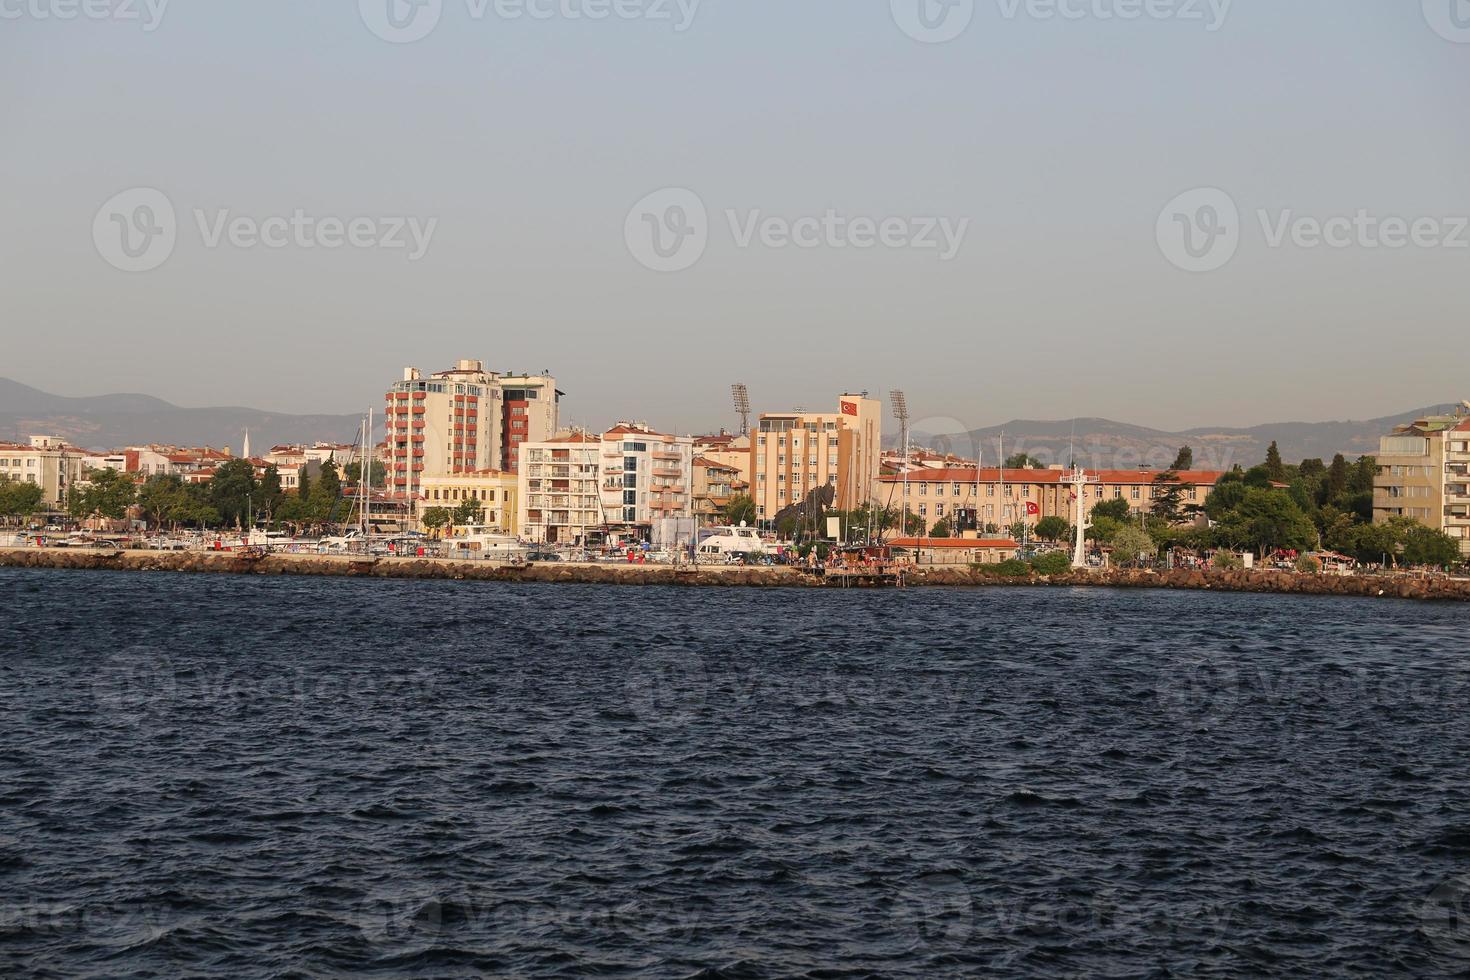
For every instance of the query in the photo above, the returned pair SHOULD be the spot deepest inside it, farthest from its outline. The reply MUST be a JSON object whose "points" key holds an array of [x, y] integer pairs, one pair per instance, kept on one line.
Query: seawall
{"points": [[207, 562]]}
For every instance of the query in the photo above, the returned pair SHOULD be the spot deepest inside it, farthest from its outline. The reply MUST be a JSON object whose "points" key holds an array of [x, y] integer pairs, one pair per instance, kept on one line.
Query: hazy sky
{"points": [[529, 140]]}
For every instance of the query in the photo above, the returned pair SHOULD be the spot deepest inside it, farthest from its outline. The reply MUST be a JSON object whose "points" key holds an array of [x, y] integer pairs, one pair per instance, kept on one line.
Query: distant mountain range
{"points": [[1105, 444], [115, 421]]}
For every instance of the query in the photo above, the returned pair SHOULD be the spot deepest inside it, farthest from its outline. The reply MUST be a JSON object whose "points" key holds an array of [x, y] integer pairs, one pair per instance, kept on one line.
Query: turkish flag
{"points": [[1032, 509], [849, 408]]}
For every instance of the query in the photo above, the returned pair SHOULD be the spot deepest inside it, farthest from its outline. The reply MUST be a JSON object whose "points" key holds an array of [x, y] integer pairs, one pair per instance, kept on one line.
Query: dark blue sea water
{"points": [[240, 777]]}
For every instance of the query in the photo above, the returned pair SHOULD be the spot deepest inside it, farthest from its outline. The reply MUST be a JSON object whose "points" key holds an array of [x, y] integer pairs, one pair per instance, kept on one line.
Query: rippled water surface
{"points": [[235, 777]]}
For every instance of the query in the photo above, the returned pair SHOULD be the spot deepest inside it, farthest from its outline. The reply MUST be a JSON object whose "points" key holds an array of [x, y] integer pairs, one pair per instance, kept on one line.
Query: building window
{"points": [[956, 489], [938, 510], [1135, 493]]}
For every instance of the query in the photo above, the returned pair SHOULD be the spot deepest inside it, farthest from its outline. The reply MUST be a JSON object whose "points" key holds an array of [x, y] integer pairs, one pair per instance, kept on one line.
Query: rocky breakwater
{"points": [[224, 562], [1256, 580]]}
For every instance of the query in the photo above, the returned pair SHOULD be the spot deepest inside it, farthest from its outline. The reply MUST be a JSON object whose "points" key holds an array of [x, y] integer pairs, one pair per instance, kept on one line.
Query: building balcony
{"points": [[663, 454], [667, 471]]}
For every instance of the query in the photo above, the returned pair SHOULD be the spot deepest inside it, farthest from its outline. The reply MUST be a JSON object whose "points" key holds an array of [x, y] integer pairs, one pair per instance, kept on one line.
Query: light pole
{"points": [[901, 412]]}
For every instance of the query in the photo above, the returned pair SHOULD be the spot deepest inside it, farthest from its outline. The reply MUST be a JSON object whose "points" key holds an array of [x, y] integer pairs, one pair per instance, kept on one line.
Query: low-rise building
{"points": [[955, 551], [1424, 474], [715, 485], [1000, 498], [47, 461], [494, 490]]}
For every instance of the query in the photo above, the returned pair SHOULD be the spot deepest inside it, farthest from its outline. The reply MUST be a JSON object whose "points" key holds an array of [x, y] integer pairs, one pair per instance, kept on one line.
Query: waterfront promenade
{"points": [[1405, 586]]}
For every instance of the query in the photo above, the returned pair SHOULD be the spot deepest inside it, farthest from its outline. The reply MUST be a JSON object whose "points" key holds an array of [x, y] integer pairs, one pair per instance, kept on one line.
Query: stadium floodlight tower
{"points": [[901, 412], [742, 406]]}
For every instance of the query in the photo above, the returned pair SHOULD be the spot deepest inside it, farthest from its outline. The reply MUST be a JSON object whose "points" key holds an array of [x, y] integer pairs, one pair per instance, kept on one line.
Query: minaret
{"points": [[245, 452]]}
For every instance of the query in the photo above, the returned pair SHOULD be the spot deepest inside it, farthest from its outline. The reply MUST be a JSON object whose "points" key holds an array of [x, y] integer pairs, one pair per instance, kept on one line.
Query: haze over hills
{"points": [[1105, 444], [115, 421]]}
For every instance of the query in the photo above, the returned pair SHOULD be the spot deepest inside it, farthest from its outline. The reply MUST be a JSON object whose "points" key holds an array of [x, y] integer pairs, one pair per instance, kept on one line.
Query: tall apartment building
{"points": [[464, 420], [1424, 473], [558, 489], [793, 453], [647, 476], [47, 461]]}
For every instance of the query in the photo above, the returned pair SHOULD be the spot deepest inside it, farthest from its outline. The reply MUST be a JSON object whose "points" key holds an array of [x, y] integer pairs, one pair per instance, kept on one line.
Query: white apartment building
{"points": [[558, 495], [647, 476]]}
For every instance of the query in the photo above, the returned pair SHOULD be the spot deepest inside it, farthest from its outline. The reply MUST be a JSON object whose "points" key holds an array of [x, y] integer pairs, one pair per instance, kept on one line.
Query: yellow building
{"points": [[794, 453], [1424, 474], [493, 489]]}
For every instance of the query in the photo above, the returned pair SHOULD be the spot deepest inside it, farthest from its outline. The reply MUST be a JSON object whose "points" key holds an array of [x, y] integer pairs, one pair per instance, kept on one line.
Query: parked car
{"points": [[543, 556]]}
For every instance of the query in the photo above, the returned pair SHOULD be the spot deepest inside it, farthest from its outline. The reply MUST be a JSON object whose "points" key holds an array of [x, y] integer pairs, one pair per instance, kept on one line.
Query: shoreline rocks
{"points": [[214, 562]]}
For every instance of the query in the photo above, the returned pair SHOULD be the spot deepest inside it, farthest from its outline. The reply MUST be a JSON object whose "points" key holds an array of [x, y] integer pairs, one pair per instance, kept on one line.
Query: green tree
{"points": [[1428, 546], [270, 491], [1052, 563], [1275, 470], [1023, 461], [1168, 500], [326, 494], [1115, 509], [352, 473], [165, 500], [1105, 529], [107, 493], [1337, 478], [19, 498], [468, 512], [740, 510], [232, 491], [1266, 520], [1129, 543], [1052, 528], [1184, 460], [436, 517], [942, 528]]}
